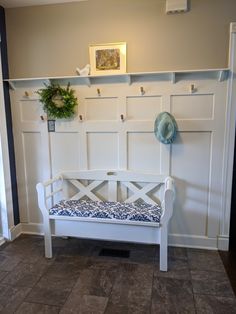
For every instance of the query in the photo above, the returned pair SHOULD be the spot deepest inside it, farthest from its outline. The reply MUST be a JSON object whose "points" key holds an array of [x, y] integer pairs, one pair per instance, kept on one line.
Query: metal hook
{"points": [[80, 118], [42, 118], [122, 118], [98, 91], [26, 94], [142, 90]]}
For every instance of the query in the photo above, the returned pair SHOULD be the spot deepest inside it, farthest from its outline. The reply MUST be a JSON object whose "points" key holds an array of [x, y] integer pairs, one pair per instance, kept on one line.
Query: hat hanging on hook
{"points": [[165, 128]]}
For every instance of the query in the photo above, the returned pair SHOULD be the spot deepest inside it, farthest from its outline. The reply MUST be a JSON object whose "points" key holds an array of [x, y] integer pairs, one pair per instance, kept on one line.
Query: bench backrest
{"points": [[138, 185]]}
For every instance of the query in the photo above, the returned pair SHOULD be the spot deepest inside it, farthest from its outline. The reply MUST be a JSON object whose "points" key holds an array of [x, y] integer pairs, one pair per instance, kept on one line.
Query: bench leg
{"points": [[47, 239], [163, 248]]}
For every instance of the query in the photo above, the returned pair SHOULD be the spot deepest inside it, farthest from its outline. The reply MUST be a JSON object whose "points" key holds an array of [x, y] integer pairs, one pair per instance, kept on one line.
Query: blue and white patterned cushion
{"points": [[107, 210]]}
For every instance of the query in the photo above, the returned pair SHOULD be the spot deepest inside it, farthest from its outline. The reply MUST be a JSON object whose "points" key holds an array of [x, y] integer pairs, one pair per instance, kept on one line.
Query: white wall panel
{"points": [[143, 152], [33, 164], [192, 106], [143, 108], [190, 163], [101, 108], [64, 151], [102, 150], [31, 152], [30, 110]]}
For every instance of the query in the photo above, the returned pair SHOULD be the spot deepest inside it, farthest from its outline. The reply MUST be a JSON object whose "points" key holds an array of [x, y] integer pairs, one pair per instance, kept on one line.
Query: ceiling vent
{"points": [[176, 6]]}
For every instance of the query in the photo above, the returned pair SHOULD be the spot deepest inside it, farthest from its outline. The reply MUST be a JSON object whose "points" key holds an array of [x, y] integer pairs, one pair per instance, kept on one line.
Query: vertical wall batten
{"points": [[229, 134]]}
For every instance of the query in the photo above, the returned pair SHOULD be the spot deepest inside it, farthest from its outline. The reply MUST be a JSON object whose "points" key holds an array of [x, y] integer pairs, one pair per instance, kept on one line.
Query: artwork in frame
{"points": [[108, 59]]}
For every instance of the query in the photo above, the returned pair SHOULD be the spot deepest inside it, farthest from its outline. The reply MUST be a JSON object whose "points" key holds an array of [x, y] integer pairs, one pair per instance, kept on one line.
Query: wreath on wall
{"points": [[58, 102]]}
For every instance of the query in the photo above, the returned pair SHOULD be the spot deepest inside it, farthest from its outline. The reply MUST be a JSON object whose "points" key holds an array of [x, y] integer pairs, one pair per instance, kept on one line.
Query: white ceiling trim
{"points": [[27, 3]]}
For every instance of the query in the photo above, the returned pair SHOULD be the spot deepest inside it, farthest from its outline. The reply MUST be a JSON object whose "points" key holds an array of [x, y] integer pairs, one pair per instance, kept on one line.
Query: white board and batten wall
{"points": [[196, 160]]}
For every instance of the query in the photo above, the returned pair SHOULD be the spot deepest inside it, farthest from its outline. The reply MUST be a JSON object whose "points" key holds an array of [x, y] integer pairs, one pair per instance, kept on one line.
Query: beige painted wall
{"points": [[53, 40]]}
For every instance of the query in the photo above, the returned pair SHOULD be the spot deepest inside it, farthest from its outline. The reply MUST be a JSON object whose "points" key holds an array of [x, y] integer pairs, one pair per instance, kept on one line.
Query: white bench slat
{"points": [[86, 190], [112, 191], [114, 175], [140, 193], [53, 193]]}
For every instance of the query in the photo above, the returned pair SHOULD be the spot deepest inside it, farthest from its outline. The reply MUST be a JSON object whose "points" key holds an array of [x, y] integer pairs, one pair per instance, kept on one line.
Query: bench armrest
{"points": [[45, 198], [168, 202]]}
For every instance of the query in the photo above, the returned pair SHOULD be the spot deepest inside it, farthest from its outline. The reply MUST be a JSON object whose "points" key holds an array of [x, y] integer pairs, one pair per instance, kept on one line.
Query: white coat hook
{"points": [[142, 91], [122, 117], [98, 91]]}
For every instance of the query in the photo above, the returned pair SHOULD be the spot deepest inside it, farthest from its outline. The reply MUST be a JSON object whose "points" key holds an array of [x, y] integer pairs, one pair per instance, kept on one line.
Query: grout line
{"points": [[154, 264], [194, 300]]}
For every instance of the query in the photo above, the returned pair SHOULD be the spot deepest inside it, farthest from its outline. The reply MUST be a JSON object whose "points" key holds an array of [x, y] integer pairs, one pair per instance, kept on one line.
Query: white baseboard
{"points": [[223, 243], [24, 228], [2, 241], [178, 240], [193, 241], [32, 228], [15, 232]]}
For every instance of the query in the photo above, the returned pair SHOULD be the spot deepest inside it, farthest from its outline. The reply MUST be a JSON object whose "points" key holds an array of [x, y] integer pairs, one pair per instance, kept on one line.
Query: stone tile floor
{"points": [[78, 280]]}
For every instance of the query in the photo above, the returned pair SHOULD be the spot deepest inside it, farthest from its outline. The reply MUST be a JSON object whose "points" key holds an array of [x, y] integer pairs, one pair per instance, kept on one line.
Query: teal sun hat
{"points": [[165, 128]]}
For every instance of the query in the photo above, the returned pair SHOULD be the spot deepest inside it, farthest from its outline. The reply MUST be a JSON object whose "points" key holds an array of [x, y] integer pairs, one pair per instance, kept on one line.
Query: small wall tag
{"points": [[51, 125]]}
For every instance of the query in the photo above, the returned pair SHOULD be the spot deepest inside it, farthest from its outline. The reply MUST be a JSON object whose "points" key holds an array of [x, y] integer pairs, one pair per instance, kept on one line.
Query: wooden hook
{"points": [[98, 91], [80, 118], [142, 90], [192, 88], [26, 94], [122, 118]]}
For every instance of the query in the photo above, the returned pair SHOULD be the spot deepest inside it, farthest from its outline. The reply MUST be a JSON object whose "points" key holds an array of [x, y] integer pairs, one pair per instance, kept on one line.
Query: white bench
{"points": [[66, 213]]}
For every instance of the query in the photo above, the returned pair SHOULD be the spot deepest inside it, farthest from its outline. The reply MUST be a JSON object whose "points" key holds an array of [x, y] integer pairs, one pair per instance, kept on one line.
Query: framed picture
{"points": [[108, 59]]}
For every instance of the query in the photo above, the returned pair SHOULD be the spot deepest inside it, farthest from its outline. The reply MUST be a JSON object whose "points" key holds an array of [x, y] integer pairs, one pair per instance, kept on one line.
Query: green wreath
{"points": [[58, 102]]}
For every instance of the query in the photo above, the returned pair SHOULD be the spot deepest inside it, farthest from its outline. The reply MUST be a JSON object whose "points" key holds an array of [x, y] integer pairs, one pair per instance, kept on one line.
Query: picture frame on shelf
{"points": [[108, 59]]}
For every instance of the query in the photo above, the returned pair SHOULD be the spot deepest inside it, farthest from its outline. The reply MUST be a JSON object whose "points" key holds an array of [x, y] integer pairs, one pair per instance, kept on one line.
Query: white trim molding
{"points": [[25, 228], [223, 243], [15, 232], [229, 140], [2, 241], [6, 204], [27, 3], [193, 241], [233, 27]]}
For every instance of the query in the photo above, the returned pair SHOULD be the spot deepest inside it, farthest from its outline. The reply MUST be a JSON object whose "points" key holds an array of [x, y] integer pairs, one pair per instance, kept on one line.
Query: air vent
{"points": [[114, 253]]}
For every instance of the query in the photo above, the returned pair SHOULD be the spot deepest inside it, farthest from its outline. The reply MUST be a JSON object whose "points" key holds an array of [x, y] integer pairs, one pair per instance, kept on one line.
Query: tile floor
{"points": [[229, 261], [78, 280]]}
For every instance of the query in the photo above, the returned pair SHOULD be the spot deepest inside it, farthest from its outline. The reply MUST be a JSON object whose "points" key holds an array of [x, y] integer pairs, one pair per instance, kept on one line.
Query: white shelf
{"points": [[129, 78]]}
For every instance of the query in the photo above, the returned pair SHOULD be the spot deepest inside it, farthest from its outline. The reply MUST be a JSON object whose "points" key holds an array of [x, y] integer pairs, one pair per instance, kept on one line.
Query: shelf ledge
{"points": [[129, 78], [222, 75], [172, 75]]}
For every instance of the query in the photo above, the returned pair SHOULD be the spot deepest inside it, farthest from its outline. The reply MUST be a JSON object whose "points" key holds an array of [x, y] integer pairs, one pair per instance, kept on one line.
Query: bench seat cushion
{"points": [[107, 210]]}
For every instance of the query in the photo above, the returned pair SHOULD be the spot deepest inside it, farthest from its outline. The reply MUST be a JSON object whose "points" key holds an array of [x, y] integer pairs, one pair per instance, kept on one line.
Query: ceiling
{"points": [[26, 3]]}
